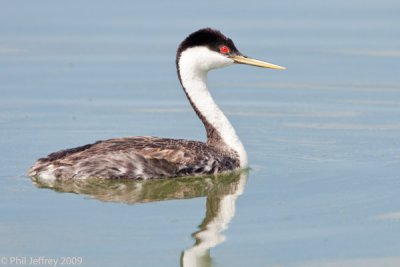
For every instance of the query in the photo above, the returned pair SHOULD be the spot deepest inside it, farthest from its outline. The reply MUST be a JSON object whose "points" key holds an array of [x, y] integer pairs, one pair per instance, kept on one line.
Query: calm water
{"points": [[322, 136]]}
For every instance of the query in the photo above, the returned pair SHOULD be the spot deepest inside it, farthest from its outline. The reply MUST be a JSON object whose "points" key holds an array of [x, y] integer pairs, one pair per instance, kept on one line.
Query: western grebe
{"points": [[147, 157]]}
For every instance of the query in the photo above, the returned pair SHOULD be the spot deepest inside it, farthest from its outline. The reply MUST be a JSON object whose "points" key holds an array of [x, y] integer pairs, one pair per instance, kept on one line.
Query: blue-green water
{"points": [[322, 136]]}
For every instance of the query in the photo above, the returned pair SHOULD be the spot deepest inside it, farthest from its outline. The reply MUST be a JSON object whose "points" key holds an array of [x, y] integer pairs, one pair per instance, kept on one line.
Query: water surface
{"points": [[322, 136]]}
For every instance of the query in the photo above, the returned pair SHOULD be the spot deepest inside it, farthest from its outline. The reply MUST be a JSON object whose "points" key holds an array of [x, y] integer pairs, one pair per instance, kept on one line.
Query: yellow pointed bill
{"points": [[256, 62]]}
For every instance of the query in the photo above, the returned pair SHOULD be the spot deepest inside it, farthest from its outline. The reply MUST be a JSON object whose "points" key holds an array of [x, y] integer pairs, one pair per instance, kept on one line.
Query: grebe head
{"points": [[208, 49]]}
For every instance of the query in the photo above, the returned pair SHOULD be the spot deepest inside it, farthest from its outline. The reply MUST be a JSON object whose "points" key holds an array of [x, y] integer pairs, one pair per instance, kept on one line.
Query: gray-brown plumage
{"points": [[136, 158]]}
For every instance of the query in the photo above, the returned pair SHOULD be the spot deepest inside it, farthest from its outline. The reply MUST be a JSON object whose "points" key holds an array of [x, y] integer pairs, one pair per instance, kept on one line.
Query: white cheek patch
{"points": [[203, 59]]}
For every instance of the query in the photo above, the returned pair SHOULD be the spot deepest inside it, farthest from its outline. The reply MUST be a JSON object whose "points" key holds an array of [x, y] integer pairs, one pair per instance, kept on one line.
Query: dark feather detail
{"points": [[136, 158], [65, 152], [211, 38]]}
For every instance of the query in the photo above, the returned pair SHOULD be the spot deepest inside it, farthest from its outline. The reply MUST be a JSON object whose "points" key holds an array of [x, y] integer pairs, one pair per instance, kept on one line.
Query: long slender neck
{"points": [[220, 133]]}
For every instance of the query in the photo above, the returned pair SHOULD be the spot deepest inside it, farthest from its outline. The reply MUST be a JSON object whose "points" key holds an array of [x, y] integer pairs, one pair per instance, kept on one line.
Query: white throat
{"points": [[194, 64]]}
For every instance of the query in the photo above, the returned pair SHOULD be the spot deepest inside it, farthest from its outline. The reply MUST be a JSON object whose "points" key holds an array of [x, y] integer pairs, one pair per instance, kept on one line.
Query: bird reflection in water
{"points": [[221, 191]]}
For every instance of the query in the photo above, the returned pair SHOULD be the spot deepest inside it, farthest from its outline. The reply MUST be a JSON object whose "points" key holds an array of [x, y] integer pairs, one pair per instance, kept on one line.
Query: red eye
{"points": [[224, 49]]}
